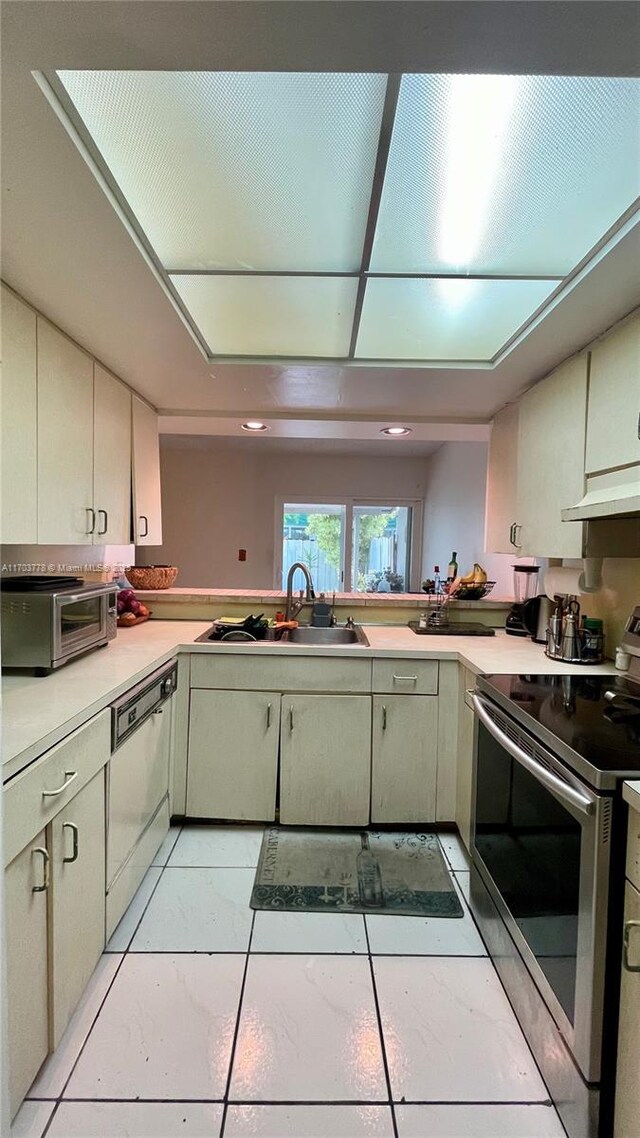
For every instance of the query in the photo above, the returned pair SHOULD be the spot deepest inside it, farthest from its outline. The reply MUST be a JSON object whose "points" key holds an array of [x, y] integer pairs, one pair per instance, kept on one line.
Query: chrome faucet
{"points": [[294, 606]]}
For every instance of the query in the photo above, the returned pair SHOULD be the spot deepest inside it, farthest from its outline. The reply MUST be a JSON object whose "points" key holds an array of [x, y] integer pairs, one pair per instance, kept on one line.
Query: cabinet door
{"points": [[138, 781], [551, 440], [111, 459], [233, 755], [502, 482], [18, 452], [65, 440], [147, 527], [27, 986], [78, 894], [325, 760], [627, 1080], [613, 415], [464, 770], [405, 758]]}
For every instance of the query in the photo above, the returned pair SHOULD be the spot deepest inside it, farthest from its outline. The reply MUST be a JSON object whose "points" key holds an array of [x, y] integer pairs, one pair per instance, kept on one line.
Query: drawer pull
{"points": [[628, 926], [69, 777], [45, 870], [74, 830], [268, 716], [291, 720], [405, 679], [384, 718], [470, 691]]}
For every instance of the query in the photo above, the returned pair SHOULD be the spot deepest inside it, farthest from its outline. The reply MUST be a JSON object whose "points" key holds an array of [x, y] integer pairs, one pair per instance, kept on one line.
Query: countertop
{"points": [[38, 712], [631, 793], [277, 596]]}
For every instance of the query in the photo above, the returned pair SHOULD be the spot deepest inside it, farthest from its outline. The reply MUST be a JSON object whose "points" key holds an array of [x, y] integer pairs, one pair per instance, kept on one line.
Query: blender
{"points": [[525, 588]]}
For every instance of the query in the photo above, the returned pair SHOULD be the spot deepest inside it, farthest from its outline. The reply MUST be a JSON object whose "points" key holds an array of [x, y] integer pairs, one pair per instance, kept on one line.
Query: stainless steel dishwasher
{"points": [[137, 785]]}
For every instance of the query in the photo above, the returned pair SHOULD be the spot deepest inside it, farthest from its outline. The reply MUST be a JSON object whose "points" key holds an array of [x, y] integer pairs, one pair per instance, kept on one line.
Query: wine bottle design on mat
{"points": [[369, 876]]}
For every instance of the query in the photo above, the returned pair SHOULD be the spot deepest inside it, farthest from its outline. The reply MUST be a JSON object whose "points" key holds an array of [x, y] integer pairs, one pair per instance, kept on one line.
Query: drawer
{"points": [[29, 804], [281, 673], [633, 848], [406, 677]]}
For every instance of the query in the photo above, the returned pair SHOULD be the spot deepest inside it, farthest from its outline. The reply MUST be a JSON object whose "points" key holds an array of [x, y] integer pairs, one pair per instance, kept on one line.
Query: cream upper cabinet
{"points": [[18, 393], [613, 414], [65, 440], [111, 459], [502, 482], [551, 442], [147, 513]]}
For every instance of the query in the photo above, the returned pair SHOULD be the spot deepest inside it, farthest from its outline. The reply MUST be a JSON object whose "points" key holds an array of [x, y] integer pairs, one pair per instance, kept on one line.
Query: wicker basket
{"points": [[151, 576]]}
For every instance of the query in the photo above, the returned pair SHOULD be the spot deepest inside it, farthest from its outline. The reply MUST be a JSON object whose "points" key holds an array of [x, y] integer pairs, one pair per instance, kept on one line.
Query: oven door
{"points": [[79, 622], [540, 842]]}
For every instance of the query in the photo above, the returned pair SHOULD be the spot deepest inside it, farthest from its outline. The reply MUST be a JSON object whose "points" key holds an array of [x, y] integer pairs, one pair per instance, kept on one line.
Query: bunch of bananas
{"points": [[471, 580]]}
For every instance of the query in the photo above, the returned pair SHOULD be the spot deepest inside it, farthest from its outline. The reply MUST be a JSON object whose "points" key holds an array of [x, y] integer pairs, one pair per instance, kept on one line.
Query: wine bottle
{"points": [[369, 876], [452, 568]]}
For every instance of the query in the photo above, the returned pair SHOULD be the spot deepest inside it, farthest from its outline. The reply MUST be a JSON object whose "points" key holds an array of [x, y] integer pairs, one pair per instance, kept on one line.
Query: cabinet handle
{"points": [[516, 535], [144, 518], [74, 830], [106, 522], [405, 679], [470, 691], [628, 926], [384, 718], [93, 519], [69, 777], [268, 716], [512, 529], [45, 870], [291, 719]]}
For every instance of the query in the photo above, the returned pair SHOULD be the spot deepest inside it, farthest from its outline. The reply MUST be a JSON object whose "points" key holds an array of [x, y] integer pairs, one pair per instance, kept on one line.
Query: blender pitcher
{"points": [[525, 586]]}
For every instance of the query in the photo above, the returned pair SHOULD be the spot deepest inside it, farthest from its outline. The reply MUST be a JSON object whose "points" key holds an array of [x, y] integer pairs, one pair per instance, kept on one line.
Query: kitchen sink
{"points": [[304, 634], [307, 634]]}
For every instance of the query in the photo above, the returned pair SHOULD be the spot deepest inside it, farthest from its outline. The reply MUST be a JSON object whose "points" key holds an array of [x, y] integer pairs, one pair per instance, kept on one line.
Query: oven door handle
{"points": [[547, 778]]}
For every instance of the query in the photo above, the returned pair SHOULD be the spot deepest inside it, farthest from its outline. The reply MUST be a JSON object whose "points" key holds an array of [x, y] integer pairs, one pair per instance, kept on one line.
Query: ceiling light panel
{"points": [[271, 316], [444, 319], [506, 174], [230, 170]]}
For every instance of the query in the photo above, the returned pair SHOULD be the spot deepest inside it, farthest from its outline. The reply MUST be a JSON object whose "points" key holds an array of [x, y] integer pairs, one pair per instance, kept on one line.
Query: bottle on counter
{"points": [[437, 580], [452, 568]]}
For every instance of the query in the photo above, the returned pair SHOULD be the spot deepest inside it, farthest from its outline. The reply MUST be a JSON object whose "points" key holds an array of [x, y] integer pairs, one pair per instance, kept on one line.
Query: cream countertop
{"points": [[631, 793], [38, 712]]}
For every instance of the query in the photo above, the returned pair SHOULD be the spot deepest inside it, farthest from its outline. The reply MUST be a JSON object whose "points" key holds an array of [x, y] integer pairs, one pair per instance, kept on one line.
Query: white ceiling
{"points": [[68, 253]]}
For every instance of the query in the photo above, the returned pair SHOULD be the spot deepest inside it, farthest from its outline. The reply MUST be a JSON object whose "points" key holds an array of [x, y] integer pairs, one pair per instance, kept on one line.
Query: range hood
{"points": [[612, 495]]}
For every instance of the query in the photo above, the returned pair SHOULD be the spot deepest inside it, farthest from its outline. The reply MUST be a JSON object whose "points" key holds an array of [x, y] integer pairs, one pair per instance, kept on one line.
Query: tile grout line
{"points": [[383, 1048], [232, 1053]]}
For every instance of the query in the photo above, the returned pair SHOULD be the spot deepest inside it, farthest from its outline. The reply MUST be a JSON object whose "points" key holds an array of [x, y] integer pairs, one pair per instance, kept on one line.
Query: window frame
{"points": [[415, 546]]}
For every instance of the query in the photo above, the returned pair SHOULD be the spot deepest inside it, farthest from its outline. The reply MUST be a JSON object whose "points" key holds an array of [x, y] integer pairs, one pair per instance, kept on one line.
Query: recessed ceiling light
{"points": [[254, 425], [395, 432]]}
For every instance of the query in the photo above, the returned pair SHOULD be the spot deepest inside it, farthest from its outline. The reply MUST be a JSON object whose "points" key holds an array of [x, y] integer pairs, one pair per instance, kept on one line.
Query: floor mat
{"points": [[354, 871]]}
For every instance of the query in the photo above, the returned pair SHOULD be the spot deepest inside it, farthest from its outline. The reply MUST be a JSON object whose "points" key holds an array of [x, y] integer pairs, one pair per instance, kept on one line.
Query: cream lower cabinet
{"points": [[464, 768], [627, 1111], [404, 758], [233, 755], [26, 878], [77, 847], [325, 760]]}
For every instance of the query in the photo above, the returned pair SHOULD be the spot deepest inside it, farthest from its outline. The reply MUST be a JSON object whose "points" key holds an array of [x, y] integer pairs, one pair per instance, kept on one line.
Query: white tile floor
{"points": [[206, 1020]]}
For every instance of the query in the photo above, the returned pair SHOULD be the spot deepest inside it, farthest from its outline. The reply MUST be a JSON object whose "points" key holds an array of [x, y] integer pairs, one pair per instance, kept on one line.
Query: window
{"points": [[349, 547]]}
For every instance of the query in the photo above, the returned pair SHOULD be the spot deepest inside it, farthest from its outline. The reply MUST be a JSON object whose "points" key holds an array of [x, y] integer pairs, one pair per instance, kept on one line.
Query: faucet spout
{"points": [[293, 607]]}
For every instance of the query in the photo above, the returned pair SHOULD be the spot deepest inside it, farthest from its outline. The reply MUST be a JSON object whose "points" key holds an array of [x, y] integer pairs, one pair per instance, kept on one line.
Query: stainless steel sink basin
{"points": [[306, 634]]}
